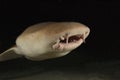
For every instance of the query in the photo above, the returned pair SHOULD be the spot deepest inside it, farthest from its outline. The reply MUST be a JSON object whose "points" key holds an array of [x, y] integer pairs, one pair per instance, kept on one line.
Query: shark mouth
{"points": [[71, 39], [69, 42]]}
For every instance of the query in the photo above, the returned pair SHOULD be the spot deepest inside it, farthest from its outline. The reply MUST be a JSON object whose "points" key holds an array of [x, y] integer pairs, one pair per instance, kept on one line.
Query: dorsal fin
{"points": [[9, 54]]}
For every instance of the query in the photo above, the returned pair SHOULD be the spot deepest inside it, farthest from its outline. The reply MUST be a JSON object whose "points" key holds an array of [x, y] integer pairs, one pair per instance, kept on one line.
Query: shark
{"points": [[47, 40]]}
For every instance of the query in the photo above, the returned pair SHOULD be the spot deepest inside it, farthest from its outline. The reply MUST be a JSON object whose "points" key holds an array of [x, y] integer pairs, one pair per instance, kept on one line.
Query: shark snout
{"points": [[85, 32]]}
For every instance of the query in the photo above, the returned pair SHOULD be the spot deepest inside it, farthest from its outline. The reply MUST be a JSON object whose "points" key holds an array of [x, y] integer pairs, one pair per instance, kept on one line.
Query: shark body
{"points": [[47, 40]]}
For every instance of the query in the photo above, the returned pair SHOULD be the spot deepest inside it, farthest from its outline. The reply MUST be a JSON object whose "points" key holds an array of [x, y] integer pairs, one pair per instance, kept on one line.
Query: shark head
{"points": [[70, 37]]}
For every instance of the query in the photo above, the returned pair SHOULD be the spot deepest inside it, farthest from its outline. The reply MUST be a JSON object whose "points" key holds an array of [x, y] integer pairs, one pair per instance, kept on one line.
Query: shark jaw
{"points": [[67, 43]]}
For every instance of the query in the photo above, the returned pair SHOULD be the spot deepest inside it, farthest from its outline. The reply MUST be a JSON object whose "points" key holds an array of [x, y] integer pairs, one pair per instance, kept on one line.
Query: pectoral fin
{"points": [[9, 54]]}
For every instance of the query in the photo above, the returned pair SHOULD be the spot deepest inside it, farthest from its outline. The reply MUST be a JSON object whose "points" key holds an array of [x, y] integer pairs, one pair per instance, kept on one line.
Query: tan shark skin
{"points": [[47, 40]]}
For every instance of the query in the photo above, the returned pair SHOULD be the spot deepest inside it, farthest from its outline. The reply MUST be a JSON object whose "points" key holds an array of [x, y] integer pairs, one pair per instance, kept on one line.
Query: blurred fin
{"points": [[9, 54]]}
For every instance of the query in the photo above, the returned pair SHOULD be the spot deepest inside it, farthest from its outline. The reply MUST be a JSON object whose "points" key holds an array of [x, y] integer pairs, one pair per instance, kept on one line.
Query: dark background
{"points": [[102, 47]]}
